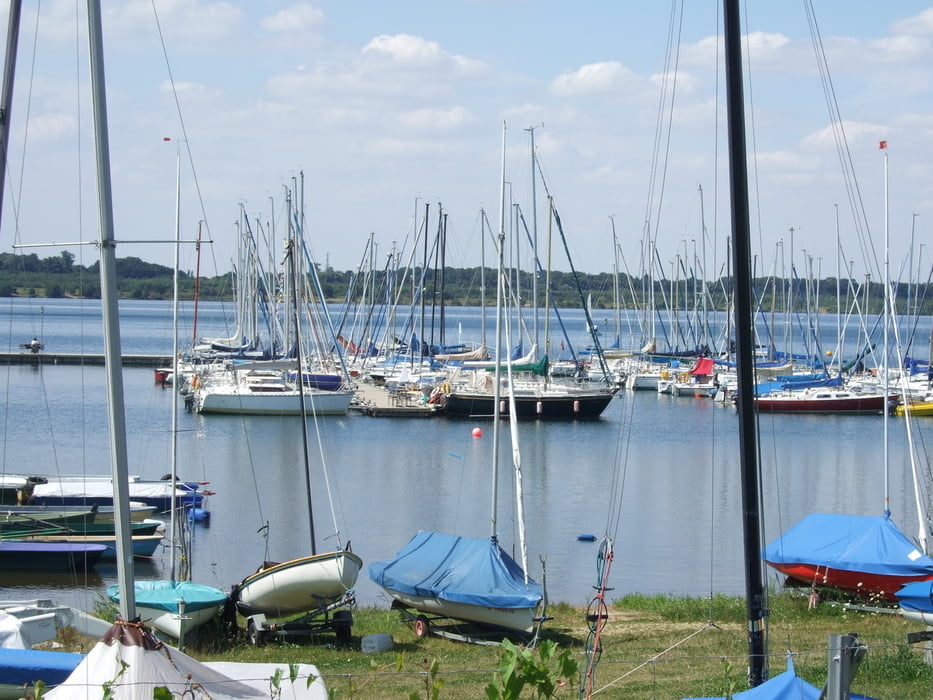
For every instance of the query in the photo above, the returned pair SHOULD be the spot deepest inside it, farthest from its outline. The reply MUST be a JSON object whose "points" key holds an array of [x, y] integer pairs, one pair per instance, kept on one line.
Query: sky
{"points": [[368, 110]]}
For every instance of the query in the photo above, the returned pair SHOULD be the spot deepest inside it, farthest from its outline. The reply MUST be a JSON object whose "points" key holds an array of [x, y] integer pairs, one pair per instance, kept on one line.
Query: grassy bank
{"points": [[653, 647]]}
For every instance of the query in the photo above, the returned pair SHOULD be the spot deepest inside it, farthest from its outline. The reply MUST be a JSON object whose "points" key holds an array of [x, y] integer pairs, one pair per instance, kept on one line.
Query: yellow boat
{"points": [[914, 408]]}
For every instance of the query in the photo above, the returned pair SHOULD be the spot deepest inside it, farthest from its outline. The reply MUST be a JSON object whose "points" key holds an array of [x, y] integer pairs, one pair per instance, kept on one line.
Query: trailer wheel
{"points": [[422, 627], [254, 634]]}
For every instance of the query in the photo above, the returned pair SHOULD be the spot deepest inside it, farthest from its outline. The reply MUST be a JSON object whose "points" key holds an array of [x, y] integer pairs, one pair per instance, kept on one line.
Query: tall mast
{"points": [[108, 287], [497, 374], [6, 97], [751, 501], [885, 318]]}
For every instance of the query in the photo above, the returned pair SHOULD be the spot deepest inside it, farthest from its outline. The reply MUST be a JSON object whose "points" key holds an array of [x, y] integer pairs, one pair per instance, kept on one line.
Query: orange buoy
{"points": [[477, 432]]}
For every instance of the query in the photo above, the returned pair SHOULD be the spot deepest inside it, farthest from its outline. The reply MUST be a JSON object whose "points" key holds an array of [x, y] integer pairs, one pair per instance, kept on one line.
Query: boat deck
{"points": [[372, 400]]}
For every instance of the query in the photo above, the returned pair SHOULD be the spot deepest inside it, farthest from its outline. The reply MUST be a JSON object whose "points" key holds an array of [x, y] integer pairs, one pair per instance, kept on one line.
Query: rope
{"points": [[597, 614], [654, 658]]}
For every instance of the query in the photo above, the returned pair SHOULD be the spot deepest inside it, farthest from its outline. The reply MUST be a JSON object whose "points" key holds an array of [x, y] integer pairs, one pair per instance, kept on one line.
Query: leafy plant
{"points": [[546, 673]]}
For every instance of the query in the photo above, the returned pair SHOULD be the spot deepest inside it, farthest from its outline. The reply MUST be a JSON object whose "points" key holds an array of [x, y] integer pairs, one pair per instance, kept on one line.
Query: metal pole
{"points": [[108, 294], [751, 502], [6, 97]]}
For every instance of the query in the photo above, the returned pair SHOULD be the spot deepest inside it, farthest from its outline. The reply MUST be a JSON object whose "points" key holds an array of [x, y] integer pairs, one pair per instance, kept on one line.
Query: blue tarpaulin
{"points": [[471, 570], [864, 543], [22, 666], [917, 596], [786, 686]]}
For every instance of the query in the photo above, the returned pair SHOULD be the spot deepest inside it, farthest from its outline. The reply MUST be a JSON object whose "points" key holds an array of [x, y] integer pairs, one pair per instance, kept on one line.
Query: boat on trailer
{"points": [[471, 579]]}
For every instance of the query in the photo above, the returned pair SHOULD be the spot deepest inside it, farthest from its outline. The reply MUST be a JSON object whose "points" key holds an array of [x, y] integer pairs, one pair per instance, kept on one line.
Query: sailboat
{"points": [[175, 606], [315, 584], [470, 579], [864, 555]]}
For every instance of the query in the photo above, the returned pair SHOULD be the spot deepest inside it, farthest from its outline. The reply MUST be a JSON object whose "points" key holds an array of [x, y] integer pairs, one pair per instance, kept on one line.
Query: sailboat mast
{"points": [[6, 97], [751, 501], [497, 374], [108, 286], [290, 251], [175, 384], [885, 318]]}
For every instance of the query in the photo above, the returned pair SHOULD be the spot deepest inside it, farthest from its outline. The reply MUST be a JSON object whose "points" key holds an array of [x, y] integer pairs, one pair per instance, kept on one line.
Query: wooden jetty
{"points": [[378, 401], [67, 358]]}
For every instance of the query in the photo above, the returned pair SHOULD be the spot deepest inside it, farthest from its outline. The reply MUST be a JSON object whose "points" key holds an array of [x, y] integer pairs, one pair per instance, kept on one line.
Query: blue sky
{"points": [[384, 104]]}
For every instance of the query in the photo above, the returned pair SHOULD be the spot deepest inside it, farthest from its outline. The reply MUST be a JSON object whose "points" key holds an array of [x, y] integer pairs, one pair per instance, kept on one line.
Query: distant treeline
{"points": [[59, 276]]}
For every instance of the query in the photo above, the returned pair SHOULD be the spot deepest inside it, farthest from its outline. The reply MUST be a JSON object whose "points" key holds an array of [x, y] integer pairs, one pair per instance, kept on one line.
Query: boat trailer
{"points": [[258, 628], [431, 624]]}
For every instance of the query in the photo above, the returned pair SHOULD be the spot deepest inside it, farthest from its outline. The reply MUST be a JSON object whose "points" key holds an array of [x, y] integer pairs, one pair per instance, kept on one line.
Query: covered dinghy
{"points": [[784, 686], [861, 554], [465, 578], [132, 663], [916, 601]]}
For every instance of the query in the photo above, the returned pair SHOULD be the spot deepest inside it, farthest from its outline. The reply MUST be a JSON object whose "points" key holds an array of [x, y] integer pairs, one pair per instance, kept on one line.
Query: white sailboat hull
{"points": [[519, 620], [231, 400], [176, 624], [299, 585]]}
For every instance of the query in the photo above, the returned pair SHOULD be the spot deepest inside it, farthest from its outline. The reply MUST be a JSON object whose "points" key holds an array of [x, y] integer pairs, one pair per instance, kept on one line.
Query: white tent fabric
{"points": [[132, 663], [11, 632]]}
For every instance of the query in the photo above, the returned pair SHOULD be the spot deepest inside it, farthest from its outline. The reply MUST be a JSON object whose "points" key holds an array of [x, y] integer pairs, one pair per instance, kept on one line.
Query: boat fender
{"points": [[199, 515], [373, 643]]}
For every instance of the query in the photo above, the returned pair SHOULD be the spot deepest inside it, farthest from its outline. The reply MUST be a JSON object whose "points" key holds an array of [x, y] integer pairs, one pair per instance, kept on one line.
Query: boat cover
{"points": [[782, 687], [916, 595], [703, 367], [866, 543], [164, 595], [26, 666], [131, 662], [470, 570]]}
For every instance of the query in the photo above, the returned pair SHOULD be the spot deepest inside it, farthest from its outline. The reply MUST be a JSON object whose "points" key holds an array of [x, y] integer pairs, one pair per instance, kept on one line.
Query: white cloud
{"points": [[918, 24], [764, 45], [437, 119], [855, 131], [193, 21], [786, 161], [900, 49], [52, 127], [686, 83], [413, 52], [607, 76], [301, 17]]}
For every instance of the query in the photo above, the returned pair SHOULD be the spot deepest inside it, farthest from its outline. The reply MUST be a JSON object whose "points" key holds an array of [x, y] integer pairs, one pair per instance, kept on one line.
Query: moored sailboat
{"points": [[471, 579], [317, 584]]}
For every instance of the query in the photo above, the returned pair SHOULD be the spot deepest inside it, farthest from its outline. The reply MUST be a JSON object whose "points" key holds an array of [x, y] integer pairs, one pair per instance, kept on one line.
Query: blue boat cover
{"points": [[22, 666], [916, 595], [471, 570], [867, 543], [165, 594], [784, 686]]}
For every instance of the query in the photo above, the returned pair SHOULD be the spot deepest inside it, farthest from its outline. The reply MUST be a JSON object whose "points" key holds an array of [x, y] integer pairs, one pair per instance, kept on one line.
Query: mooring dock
{"points": [[373, 400], [68, 358]]}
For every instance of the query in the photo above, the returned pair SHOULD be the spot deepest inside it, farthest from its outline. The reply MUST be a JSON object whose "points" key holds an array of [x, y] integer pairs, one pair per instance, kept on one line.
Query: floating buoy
{"points": [[199, 515], [477, 432], [586, 538]]}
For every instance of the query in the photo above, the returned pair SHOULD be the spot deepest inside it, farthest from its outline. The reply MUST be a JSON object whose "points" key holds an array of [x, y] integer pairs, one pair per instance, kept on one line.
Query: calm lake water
{"points": [[667, 466]]}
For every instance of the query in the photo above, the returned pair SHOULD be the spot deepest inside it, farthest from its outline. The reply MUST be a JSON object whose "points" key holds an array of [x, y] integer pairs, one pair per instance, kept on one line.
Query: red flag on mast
{"points": [[882, 144]]}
